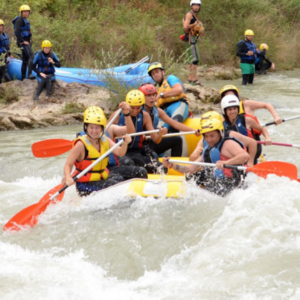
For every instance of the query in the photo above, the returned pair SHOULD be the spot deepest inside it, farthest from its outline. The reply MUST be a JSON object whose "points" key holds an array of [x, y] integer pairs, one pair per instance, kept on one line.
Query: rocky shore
{"points": [[68, 100]]}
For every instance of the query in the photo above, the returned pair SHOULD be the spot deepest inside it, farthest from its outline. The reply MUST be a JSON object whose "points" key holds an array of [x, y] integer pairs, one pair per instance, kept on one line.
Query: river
{"points": [[244, 246]]}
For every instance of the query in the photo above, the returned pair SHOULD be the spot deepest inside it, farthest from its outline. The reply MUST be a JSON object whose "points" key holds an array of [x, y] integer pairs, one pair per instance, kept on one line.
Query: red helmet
{"points": [[148, 89]]}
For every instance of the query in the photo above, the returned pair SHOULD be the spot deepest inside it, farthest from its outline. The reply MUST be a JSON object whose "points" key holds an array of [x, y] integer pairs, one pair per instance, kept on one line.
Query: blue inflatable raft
{"points": [[123, 74]]}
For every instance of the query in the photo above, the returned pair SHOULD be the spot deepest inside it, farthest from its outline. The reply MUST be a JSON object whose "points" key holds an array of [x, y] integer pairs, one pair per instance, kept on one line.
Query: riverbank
{"points": [[69, 100]]}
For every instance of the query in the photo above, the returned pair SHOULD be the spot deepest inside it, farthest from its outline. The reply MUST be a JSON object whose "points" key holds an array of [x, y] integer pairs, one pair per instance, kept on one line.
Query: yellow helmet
{"points": [[1, 22], [229, 87], [24, 7], [135, 98], [93, 109], [94, 117], [263, 46], [197, 29], [46, 44], [211, 115], [208, 125], [155, 65], [249, 32]]}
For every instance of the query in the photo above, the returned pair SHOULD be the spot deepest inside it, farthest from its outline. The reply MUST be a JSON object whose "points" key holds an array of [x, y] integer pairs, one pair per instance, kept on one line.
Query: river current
{"points": [[243, 246]]}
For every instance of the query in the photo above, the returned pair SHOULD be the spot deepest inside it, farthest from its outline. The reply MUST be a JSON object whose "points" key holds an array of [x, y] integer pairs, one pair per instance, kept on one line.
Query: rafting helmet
{"points": [[135, 98], [94, 115], [1, 22], [208, 125], [197, 29], [155, 65], [249, 32], [195, 2], [263, 46], [46, 44], [230, 101], [24, 7], [211, 115], [148, 89], [229, 87]]}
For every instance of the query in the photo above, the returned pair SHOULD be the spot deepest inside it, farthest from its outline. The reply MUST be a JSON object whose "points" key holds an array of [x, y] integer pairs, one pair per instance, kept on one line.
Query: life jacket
{"points": [[154, 115], [251, 47], [43, 65], [239, 126], [4, 42], [189, 33], [163, 89], [137, 141], [255, 133], [112, 158], [213, 154], [99, 171], [25, 29]]}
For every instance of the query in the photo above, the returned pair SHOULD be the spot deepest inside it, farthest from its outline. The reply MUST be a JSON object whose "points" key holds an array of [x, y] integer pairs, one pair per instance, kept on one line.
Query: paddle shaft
{"points": [[137, 64], [113, 119], [140, 133], [89, 167], [280, 144], [283, 120], [175, 134]]}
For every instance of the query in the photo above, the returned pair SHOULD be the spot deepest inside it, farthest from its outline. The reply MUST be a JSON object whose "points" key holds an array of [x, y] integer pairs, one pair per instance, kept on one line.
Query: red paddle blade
{"points": [[278, 168], [52, 147], [29, 216]]}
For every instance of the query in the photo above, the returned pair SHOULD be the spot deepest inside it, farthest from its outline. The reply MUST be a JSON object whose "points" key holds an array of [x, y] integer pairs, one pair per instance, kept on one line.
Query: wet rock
{"points": [[218, 72]]}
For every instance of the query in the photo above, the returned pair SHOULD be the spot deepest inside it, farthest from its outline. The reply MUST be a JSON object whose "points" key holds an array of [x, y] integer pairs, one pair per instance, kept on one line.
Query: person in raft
{"points": [[4, 49], [171, 95], [88, 148], [262, 63], [220, 151], [23, 33], [249, 106], [43, 64], [247, 52], [174, 143], [193, 29]]}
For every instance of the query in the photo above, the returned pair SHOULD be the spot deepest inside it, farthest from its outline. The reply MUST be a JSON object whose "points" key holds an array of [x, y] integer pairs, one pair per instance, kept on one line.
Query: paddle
{"points": [[176, 134], [135, 65], [278, 168], [55, 147], [283, 120], [29, 215], [280, 144]]}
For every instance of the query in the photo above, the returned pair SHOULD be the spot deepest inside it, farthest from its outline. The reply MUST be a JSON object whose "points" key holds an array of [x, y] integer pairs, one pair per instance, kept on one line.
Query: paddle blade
{"points": [[278, 168], [52, 147], [29, 216]]}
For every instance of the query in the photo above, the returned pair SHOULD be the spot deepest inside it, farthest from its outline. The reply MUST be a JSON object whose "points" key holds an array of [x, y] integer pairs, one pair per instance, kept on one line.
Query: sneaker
{"points": [[36, 97], [31, 77]]}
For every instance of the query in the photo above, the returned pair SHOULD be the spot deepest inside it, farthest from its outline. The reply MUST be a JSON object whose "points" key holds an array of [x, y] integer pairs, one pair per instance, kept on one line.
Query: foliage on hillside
{"points": [[82, 30]]}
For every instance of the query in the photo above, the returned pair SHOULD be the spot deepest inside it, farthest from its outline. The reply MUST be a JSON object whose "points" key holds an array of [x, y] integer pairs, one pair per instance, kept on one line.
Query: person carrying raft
{"points": [[241, 123], [174, 143], [23, 33], [43, 64], [193, 29], [88, 148], [171, 95], [4, 49], [221, 151], [139, 152]]}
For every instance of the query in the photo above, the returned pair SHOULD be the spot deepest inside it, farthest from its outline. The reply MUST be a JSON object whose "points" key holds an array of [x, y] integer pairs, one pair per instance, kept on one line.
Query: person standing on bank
{"points": [[193, 28], [247, 52], [43, 64], [23, 34], [4, 49]]}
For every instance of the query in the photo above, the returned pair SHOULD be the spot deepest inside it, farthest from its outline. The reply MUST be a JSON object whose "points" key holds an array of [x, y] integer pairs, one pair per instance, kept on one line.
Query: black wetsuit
{"points": [[263, 63]]}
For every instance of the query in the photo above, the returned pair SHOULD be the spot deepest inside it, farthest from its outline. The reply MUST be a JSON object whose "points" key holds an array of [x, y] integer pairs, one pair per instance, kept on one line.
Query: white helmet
{"points": [[195, 2], [230, 101]]}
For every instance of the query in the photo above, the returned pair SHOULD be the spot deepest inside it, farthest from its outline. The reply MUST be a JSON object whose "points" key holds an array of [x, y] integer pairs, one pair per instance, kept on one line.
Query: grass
{"points": [[72, 108], [8, 94], [80, 30]]}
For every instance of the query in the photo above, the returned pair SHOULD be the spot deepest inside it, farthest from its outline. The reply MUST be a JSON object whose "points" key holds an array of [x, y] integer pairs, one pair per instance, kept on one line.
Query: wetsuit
{"points": [[41, 65], [23, 33], [175, 107], [262, 64], [4, 48], [247, 64], [193, 56]]}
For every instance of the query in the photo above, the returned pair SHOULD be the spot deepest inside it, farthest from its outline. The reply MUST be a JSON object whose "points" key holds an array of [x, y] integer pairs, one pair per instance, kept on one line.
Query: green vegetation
{"points": [[72, 108], [80, 30], [8, 94]]}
